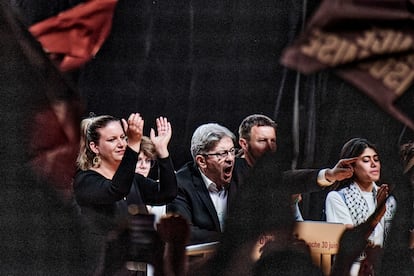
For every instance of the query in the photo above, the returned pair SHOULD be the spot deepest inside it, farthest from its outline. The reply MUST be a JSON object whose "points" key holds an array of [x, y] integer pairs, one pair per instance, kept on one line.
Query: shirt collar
{"points": [[210, 185]]}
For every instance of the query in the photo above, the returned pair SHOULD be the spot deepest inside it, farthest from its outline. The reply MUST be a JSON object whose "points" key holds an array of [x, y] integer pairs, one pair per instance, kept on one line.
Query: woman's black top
{"points": [[103, 202]]}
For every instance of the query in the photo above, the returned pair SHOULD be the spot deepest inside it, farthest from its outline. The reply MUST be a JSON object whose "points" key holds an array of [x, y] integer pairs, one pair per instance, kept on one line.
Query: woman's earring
{"points": [[96, 161]]}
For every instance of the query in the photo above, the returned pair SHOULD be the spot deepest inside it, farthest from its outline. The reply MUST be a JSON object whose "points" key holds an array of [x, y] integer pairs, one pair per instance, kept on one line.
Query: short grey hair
{"points": [[206, 137]]}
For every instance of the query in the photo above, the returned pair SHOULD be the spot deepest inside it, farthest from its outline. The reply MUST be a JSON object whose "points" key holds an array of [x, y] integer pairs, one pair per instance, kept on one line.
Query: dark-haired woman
{"points": [[356, 198]]}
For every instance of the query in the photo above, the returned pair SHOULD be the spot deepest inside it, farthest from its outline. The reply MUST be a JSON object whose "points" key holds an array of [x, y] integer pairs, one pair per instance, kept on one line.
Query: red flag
{"points": [[74, 36]]}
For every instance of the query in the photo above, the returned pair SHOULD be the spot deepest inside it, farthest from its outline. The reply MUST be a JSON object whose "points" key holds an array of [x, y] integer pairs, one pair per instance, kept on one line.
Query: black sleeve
{"points": [[91, 187], [301, 181], [162, 192]]}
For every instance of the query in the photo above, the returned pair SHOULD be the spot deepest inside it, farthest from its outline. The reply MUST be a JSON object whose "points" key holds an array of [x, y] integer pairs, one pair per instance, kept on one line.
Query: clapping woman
{"points": [[107, 161]]}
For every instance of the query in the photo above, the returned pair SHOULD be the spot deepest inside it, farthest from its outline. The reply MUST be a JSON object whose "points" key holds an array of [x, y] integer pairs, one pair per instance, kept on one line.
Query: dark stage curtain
{"points": [[192, 61], [218, 61]]}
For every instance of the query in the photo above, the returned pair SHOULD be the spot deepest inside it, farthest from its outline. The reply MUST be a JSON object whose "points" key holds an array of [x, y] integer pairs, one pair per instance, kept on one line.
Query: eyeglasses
{"points": [[148, 162], [222, 154]]}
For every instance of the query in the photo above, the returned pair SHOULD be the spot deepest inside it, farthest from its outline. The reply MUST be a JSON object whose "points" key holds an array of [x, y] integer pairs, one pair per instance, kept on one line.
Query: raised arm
{"points": [[134, 129], [342, 170], [162, 137], [165, 190]]}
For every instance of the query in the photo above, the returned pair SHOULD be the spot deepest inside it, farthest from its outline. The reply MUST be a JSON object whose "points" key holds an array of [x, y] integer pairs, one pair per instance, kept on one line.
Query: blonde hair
{"points": [[147, 147], [89, 133]]}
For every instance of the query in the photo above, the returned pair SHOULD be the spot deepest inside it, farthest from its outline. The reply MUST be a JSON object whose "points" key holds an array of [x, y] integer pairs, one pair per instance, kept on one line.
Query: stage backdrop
{"points": [[219, 61]]}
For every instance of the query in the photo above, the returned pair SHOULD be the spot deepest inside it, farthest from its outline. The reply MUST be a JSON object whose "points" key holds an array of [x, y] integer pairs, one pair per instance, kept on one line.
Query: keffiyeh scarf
{"points": [[357, 205]]}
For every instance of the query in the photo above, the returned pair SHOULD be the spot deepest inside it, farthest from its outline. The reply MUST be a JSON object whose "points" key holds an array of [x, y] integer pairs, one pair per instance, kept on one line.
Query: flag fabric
{"points": [[74, 36], [367, 43]]}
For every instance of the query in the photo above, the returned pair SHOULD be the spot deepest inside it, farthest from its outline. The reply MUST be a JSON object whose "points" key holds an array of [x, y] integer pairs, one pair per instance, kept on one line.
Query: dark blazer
{"points": [[295, 181], [193, 202], [102, 200]]}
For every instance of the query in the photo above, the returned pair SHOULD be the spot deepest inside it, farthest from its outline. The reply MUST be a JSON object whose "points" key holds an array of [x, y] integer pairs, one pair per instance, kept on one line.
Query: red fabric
{"points": [[55, 144], [368, 43], [74, 36]]}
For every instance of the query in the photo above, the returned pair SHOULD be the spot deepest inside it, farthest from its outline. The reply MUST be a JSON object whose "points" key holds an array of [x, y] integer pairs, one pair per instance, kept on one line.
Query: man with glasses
{"points": [[208, 183], [205, 185]]}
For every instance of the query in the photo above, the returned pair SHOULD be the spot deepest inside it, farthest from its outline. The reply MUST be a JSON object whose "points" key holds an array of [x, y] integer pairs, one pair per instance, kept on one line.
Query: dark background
{"points": [[192, 61], [218, 61]]}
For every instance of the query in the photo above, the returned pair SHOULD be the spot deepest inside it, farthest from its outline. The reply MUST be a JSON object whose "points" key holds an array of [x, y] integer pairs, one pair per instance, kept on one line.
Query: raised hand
{"points": [[354, 240], [342, 170], [163, 136], [134, 128], [382, 195]]}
